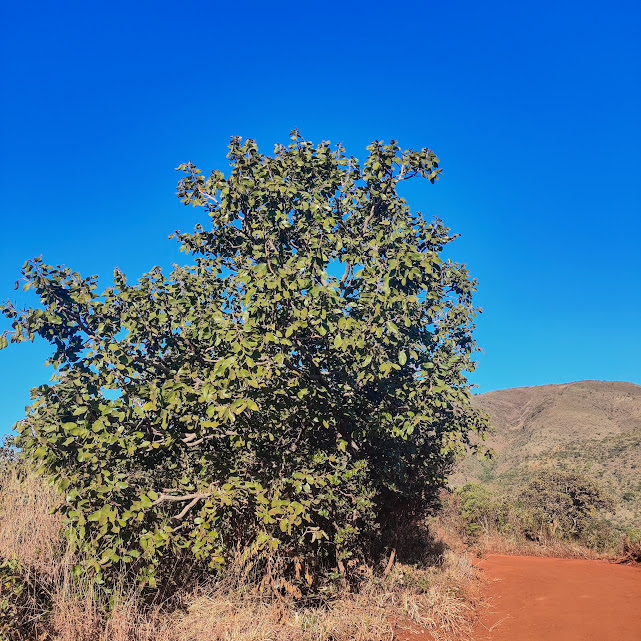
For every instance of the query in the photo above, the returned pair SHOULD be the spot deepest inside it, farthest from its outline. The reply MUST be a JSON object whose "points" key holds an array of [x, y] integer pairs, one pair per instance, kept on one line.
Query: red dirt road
{"points": [[547, 599]]}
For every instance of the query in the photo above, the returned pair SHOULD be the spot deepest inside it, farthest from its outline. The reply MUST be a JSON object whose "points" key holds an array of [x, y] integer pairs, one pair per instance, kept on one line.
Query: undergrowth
{"points": [[428, 583], [557, 514], [42, 598]]}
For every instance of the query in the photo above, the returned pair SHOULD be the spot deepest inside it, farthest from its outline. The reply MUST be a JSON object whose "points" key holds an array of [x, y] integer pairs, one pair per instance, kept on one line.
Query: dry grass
{"points": [[410, 599], [440, 600], [221, 617], [28, 530], [78, 614], [500, 544], [493, 542]]}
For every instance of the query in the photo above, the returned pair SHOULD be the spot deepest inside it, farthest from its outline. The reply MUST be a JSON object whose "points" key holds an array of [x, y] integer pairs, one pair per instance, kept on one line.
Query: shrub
{"points": [[476, 508], [562, 505], [298, 389], [8, 454], [553, 507]]}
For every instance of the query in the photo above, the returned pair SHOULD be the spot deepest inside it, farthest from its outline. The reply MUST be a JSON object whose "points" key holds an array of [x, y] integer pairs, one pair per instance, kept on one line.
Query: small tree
{"points": [[562, 504], [299, 387], [476, 509]]}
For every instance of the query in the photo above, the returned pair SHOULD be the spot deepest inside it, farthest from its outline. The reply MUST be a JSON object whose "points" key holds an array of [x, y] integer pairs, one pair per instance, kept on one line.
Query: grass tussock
{"points": [[40, 599]]}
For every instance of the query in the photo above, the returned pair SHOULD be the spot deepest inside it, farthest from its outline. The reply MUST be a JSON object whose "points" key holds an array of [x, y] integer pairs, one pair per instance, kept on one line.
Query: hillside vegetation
{"points": [[590, 427]]}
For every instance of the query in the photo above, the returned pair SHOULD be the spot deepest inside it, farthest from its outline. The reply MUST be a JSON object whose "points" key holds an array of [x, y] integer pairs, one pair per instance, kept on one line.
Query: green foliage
{"points": [[298, 387], [564, 504], [480, 511], [12, 587], [8, 454], [555, 505], [476, 508]]}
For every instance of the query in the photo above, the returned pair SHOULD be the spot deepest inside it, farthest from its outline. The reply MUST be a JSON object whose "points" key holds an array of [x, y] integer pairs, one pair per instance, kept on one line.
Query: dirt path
{"points": [[545, 599]]}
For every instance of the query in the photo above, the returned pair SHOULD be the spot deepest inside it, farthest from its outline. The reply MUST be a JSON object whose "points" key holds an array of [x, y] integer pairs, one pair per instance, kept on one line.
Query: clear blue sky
{"points": [[533, 108]]}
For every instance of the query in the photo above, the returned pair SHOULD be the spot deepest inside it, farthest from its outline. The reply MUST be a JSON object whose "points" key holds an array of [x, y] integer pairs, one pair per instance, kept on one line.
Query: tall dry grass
{"points": [[28, 529], [448, 530], [411, 598]]}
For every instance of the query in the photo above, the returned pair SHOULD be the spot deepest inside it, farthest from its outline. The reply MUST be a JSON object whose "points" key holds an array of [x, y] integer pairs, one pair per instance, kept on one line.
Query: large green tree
{"points": [[299, 387]]}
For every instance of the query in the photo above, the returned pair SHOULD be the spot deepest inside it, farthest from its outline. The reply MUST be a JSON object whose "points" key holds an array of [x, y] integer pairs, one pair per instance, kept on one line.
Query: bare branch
{"points": [[186, 509], [369, 218], [170, 498], [348, 268]]}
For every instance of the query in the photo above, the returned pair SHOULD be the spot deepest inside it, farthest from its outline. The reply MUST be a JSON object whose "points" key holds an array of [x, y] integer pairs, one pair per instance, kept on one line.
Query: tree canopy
{"points": [[296, 389], [563, 502]]}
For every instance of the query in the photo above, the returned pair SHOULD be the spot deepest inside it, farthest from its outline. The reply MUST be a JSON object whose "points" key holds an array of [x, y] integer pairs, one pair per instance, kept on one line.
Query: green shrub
{"points": [[599, 534], [296, 392], [476, 508], [553, 506], [561, 504], [8, 454]]}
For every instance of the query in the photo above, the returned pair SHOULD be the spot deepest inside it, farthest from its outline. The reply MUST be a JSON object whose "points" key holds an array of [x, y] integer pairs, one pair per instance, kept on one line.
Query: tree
{"points": [[562, 503], [298, 388]]}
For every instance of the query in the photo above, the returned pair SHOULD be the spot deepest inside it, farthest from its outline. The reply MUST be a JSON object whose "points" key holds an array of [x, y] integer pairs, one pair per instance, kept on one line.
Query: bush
{"points": [[476, 508], [24, 597], [562, 505], [40, 600], [8, 455], [552, 507], [296, 393]]}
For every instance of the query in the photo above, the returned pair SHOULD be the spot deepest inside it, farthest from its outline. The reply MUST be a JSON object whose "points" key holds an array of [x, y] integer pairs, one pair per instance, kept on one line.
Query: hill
{"points": [[589, 426]]}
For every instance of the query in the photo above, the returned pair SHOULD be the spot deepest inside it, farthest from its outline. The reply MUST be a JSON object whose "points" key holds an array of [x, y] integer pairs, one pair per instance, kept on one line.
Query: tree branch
{"points": [[369, 218], [348, 268]]}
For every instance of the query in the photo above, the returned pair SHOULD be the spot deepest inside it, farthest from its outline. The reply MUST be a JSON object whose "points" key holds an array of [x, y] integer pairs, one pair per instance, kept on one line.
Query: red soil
{"points": [[547, 599]]}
